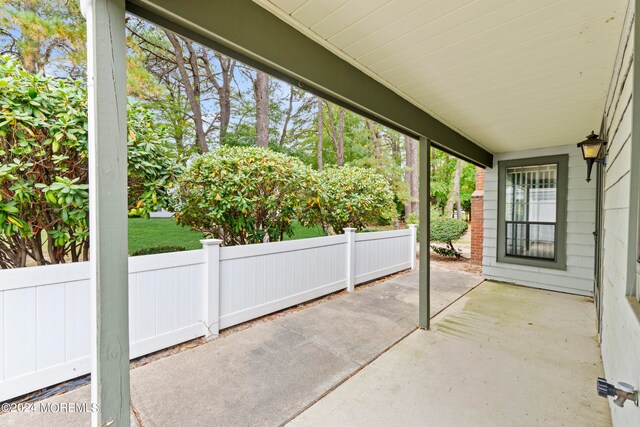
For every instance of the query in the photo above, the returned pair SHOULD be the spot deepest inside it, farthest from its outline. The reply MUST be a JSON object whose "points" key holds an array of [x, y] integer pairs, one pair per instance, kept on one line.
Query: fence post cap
{"points": [[211, 242], [412, 225], [349, 229]]}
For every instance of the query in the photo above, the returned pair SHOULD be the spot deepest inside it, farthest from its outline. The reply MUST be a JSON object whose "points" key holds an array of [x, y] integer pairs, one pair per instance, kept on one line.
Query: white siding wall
{"points": [[620, 324], [578, 278]]}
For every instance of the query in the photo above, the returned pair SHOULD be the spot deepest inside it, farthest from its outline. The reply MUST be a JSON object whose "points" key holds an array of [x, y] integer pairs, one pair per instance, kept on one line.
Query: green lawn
{"points": [[144, 233]]}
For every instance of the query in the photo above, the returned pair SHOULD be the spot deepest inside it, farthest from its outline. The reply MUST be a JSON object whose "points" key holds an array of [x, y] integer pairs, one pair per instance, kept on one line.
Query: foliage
{"points": [[447, 230], [348, 197], [242, 194], [442, 171], [47, 36], [43, 166], [152, 161], [158, 250], [415, 219], [210, 102]]}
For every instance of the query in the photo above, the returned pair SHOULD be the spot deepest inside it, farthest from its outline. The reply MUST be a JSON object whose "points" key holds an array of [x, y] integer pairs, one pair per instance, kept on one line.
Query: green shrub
{"points": [[349, 196], [447, 230], [242, 195], [414, 218], [158, 250], [44, 199]]}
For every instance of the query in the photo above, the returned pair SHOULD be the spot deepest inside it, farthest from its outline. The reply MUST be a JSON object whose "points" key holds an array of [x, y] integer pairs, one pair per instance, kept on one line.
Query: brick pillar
{"points": [[477, 218]]}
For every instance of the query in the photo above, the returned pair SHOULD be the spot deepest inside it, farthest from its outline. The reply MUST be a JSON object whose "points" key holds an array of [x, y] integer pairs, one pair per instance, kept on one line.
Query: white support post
{"points": [[211, 287], [412, 246], [351, 258], [107, 113]]}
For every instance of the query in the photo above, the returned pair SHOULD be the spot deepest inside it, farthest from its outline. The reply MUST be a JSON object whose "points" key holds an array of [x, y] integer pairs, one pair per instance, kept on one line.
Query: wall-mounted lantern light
{"points": [[593, 151]]}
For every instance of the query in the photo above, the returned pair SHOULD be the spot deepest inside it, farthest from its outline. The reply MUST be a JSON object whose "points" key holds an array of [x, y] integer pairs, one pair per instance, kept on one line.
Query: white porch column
{"points": [[350, 232], [107, 103]]}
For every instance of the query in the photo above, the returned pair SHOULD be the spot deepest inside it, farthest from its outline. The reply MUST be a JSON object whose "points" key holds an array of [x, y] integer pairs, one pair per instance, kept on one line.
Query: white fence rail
{"points": [[175, 297]]}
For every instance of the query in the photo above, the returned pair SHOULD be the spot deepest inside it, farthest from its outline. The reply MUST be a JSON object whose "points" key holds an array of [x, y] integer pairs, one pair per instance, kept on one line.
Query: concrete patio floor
{"points": [[269, 373], [500, 356]]}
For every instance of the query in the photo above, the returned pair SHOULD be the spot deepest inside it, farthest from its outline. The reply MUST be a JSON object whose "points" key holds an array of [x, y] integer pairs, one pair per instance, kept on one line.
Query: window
{"points": [[532, 211]]}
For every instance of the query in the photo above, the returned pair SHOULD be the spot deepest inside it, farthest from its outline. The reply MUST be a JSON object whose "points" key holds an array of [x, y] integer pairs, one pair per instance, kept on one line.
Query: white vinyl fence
{"points": [[175, 297]]}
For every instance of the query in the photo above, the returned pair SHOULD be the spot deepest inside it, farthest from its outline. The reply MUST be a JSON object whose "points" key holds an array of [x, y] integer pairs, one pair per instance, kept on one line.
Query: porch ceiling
{"points": [[509, 75]]}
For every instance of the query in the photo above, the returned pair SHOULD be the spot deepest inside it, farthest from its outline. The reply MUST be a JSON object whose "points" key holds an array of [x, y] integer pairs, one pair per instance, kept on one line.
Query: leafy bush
{"points": [[447, 230], [242, 194], [158, 250], [349, 197], [414, 218], [153, 163], [44, 168]]}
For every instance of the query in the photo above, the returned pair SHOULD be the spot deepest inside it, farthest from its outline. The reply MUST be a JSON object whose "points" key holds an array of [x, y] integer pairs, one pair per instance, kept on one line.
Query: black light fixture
{"points": [[593, 151]]}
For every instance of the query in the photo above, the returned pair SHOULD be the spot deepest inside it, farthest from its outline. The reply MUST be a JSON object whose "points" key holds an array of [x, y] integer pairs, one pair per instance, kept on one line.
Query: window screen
{"points": [[530, 212]]}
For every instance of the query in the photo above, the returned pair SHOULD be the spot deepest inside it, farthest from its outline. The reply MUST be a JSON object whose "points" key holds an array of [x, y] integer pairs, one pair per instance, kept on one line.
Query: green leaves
{"points": [[9, 221], [250, 195], [446, 230], [153, 165], [43, 161], [242, 194], [348, 197]]}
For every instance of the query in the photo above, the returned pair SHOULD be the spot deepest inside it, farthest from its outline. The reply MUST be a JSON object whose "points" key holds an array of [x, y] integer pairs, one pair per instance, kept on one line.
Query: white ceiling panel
{"points": [[507, 74], [314, 11], [375, 21], [411, 23], [345, 16], [290, 6]]}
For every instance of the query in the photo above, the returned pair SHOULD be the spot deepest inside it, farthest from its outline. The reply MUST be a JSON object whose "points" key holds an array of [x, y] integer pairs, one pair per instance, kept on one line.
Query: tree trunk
{"points": [[340, 141], [287, 117], [337, 133], [192, 90], [261, 92], [411, 175], [227, 67], [396, 150], [454, 194], [320, 138], [375, 139]]}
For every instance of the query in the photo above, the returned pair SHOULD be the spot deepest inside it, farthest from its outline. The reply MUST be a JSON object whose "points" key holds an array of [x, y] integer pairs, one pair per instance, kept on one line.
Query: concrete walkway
{"points": [[269, 373], [501, 356]]}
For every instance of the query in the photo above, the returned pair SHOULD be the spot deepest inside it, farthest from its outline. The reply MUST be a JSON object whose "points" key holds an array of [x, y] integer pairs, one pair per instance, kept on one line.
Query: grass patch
{"points": [[145, 233], [301, 232]]}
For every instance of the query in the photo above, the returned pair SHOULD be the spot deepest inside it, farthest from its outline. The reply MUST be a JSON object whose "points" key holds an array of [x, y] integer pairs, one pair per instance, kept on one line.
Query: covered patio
{"points": [[505, 85], [496, 352], [268, 371], [500, 353]]}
